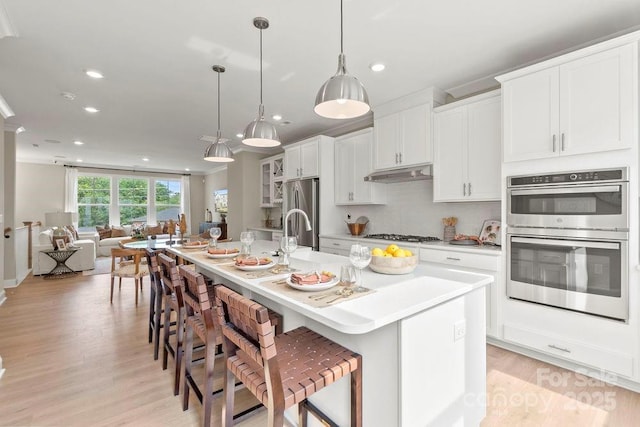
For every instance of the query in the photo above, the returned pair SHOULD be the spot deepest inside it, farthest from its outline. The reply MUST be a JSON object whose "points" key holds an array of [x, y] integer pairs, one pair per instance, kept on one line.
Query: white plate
{"points": [[206, 245], [255, 267], [218, 256], [311, 288]]}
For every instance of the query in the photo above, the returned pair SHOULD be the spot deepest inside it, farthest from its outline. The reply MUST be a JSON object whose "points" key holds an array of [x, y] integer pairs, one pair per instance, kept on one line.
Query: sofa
{"points": [[105, 244], [84, 259]]}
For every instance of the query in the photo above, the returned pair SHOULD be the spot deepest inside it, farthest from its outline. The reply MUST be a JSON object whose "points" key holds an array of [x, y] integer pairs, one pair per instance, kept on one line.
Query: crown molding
{"points": [[7, 29], [11, 127], [5, 110]]}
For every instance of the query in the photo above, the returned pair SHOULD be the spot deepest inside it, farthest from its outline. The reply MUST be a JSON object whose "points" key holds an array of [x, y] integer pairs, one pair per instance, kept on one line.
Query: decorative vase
{"points": [[449, 233]]}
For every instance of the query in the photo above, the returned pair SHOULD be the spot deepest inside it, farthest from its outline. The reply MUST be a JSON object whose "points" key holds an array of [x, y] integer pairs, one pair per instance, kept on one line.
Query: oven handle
{"points": [[565, 190], [581, 243]]}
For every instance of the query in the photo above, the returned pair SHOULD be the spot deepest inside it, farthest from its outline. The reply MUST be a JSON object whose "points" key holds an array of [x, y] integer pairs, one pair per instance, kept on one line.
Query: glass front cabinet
{"points": [[272, 179]]}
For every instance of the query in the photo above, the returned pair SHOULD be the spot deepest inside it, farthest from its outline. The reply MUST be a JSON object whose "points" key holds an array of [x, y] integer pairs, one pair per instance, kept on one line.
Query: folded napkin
{"points": [[253, 261], [195, 243], [311, 278], [213, 251]]}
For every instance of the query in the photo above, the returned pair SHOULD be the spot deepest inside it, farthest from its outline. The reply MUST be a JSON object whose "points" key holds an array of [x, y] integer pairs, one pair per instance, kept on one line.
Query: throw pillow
{"points": [[118, 232], [153, 230], [70, 235], [104, 234], [73, 231], [165, 228]]}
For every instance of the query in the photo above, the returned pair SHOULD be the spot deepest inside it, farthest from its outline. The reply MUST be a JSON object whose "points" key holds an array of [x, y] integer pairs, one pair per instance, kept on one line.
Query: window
{"points": [[133, 197], [167, 199], [117, 199], [94, 199]]}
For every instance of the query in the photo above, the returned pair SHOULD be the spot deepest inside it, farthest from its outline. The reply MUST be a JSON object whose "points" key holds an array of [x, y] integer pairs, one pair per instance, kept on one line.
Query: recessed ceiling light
{"points": [[187, 169], [78, 142], [95, 74], [239, 135], [79, 160], [91, 109], [377, 66], [276, 117], [145, 159], [20, 129]]}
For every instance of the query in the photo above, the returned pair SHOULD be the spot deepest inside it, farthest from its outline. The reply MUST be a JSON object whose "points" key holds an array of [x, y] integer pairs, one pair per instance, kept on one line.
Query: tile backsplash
{"points": [[410, 210]]}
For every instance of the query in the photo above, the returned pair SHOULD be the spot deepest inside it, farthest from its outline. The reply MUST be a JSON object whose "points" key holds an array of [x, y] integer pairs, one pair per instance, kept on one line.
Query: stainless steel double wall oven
{"points": [[567, 241]]}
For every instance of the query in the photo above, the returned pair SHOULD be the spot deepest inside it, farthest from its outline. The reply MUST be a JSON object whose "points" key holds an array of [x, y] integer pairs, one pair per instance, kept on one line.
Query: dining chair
{"points": [[282, 370], [125, 263], [172, 301]]}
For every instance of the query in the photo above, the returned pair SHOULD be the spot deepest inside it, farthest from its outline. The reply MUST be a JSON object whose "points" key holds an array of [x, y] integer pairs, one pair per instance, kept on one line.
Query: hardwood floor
{"points": [[72, 359]]}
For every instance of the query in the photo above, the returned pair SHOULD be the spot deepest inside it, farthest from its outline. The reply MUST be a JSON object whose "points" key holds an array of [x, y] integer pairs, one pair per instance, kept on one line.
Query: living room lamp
{"points": [[342, 96], [218, 151], [260, 132], [59, 220]]}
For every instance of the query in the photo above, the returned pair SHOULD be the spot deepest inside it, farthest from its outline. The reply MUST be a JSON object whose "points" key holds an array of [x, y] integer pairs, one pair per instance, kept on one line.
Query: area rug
{"points": [[103, 266]]}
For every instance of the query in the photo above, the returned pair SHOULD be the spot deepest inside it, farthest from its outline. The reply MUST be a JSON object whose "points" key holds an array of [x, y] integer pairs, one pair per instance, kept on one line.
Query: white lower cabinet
{"points": [[335, 246], [571, 349], [482, 263]]}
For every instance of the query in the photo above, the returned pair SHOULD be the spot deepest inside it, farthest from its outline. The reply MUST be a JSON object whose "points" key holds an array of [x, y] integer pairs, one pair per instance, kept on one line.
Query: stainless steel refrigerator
{"points": [[303, 194]]}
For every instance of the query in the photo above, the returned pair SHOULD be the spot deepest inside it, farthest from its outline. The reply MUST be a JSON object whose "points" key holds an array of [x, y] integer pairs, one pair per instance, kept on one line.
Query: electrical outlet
{"points": [[459, 330]]}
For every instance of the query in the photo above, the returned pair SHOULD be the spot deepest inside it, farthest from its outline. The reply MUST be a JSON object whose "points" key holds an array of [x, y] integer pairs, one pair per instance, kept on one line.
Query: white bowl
{"points": [[393, 265]]}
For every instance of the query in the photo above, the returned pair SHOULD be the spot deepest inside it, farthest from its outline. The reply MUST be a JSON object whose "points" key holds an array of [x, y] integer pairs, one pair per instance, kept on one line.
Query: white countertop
{"points": [[485, 249], [396, 296]]}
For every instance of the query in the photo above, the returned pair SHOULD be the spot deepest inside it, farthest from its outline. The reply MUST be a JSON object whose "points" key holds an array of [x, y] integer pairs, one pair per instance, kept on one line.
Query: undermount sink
{"points": [[317, 257]]}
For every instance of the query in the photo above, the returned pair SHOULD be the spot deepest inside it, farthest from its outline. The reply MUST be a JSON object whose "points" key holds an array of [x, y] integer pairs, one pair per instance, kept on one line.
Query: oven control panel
{"points": [[570, 177]]}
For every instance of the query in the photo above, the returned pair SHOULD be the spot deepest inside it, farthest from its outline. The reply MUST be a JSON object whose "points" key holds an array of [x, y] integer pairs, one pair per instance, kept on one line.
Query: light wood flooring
{"points": [[73, 359]]}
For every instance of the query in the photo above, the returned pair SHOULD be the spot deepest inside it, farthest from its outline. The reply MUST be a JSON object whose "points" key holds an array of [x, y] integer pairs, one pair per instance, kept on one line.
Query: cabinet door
{"points": [[449, 165], [292, 163], [309, 159], [361, 167], [530, 113], [596, 102], [266, 195], [415, 140], [385, 142], [483, 148], [343, 171]]}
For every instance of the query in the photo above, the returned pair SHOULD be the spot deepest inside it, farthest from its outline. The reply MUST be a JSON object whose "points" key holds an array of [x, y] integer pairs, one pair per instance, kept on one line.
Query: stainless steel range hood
{"points": [[417, 173]]}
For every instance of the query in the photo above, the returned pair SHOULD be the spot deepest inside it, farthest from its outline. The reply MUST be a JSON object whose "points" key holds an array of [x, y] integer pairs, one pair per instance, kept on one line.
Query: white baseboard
{"points": [[10, 283], [1, 370], [3, 298]]}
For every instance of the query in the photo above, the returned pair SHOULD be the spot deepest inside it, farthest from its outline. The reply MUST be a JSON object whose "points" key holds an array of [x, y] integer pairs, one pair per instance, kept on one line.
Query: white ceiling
{"points": [[159, 93]]}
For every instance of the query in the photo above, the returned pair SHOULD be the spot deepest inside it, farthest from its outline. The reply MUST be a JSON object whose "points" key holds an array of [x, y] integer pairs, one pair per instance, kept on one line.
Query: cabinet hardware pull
{"points": [[336, 244], [400, 158], [464, 189], [554, 142], [566, 350], [562, 142], [396, 158], [453, 259], [469, 189]]}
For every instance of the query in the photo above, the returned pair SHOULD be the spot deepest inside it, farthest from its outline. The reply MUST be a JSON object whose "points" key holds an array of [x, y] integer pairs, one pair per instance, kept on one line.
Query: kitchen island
{"points": [[421, 337]]}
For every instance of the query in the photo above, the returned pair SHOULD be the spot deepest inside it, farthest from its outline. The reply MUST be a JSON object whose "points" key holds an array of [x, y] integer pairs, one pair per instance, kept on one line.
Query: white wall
{"points": [[243, 179], [40, 188], [2, 218], [410, 210], [196, 185], [9, 173]]}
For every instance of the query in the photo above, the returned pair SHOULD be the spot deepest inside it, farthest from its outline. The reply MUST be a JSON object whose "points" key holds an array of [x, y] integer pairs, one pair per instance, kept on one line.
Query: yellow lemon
{"points": [[377, 252], [399, 253], [407, 252], [387, 255], [392, 248]]}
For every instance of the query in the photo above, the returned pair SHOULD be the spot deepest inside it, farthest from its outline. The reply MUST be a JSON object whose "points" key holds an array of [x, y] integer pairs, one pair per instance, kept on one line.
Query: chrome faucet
{"points": [[286, 218]]}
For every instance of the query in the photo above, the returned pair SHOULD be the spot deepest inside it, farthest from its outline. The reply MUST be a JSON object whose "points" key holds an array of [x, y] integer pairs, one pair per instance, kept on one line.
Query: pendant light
{"points": [[342, 96], [260, 132], [218, 150]]}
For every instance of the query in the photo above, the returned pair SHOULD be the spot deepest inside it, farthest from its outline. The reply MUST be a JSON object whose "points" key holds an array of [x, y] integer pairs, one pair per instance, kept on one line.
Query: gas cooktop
{"points": [[402, 237]]}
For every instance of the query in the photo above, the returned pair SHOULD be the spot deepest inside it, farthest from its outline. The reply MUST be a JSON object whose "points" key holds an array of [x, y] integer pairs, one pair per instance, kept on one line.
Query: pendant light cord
{"points": [[218, 103], [341, 30], [260, 66]]}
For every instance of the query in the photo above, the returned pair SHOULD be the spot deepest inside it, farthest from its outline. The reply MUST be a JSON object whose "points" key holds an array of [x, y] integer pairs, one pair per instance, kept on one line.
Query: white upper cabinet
{"points": [[301, 160], [272, 178], [402, 130], [352, 164], [467, 142], [578, 103]]}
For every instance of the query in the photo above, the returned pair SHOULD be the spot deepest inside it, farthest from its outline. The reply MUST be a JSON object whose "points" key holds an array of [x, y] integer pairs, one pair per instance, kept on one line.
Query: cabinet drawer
{"points": [[334, 251], [461, 259], [336, 244], [579, 352]]}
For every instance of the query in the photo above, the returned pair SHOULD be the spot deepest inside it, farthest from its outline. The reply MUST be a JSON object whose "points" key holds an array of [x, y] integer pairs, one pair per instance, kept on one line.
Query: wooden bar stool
{"points": [[282, 370], [155, 301], [172, 298]]}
